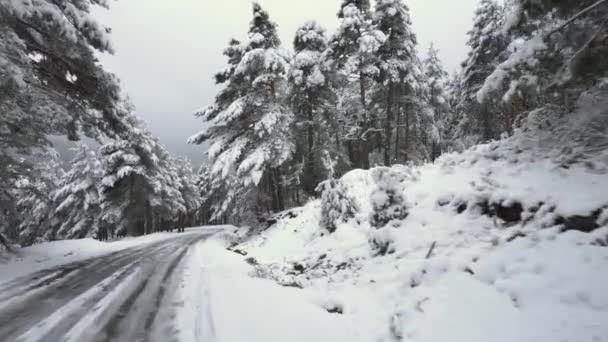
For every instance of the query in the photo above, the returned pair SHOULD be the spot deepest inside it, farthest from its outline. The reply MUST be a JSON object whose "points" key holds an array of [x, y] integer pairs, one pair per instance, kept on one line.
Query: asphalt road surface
{"points": [[122, 296]]}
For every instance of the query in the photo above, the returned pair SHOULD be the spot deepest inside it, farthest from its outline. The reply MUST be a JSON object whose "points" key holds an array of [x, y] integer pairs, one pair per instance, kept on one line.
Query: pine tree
{"points": [[51, 82], [436, 79], [189, 191], [35, 198], [398, 64], [170, 205], [352, 53], [481, 121], [76, 202], [62, 39], [248, 127], [556, 55], [139, 189], [312, 98]]}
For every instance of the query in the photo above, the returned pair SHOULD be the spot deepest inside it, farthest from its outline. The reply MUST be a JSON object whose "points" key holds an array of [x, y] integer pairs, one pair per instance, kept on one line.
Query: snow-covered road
{"points": [[126, 295]]}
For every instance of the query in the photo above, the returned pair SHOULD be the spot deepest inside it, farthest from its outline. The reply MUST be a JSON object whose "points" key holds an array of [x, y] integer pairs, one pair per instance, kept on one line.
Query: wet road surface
{"points": [[122, 296]]}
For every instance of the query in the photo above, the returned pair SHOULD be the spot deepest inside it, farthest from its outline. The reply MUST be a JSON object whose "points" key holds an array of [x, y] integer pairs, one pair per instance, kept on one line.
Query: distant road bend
{"points": [[122, 296]]}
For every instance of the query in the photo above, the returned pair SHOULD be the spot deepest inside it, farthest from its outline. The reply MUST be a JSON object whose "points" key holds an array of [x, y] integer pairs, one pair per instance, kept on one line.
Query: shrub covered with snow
{"points": [[336, 204], [388, 199]]}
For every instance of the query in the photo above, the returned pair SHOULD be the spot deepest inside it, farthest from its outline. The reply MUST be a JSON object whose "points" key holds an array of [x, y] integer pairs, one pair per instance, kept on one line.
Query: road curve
{"points": [[122, 296]]}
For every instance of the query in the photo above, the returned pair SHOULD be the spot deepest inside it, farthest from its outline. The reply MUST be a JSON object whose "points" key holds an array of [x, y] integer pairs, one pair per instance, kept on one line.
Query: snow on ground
{"points": [[55, 253], [224, 303], [500, 243]]}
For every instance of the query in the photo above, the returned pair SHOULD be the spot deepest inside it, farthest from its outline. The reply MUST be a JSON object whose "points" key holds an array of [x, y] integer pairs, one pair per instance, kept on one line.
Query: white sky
{"points": [[168, 51]]}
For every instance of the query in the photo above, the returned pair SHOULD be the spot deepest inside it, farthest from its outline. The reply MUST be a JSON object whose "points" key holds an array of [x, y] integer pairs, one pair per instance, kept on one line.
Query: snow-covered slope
{"points": [[505, 242]]}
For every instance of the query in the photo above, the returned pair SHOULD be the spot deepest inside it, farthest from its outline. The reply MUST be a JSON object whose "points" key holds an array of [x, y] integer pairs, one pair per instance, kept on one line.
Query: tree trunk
{"points": [[309, 165], [388, 127], [362, 88], [273, 191], [363, 149], [485, 119], [279, 189], [407, 133], [398, 135]]}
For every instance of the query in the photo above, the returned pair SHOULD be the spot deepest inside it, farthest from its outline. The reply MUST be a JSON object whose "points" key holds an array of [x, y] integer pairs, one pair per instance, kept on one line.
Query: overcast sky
{"points": [[168, 51]]}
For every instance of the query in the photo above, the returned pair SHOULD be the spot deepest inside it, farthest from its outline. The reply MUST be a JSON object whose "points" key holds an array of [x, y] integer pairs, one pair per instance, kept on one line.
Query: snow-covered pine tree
{"points": [[209, 194], [352, 53], [35, 192], [450, 133], [436, 79], [481, 121], [552, 82], [337, 206], [189, 191], [50, 60], [312, 98], [249, 126], [138, 190], [51, 82], [77, 204], [125, 189], [400, 75], [170, 207], [556, 54]]}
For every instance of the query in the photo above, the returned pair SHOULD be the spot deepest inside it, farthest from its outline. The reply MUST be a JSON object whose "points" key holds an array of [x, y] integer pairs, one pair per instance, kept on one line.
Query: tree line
{"points": [[361, 97], [285, 119]]}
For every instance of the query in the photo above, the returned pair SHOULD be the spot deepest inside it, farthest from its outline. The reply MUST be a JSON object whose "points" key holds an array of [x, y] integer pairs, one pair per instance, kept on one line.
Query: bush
{"points": [[336, 204], [388, 200]]}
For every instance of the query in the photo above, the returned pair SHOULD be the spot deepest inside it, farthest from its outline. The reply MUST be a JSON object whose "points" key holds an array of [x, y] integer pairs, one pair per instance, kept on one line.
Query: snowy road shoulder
{"points": [[223, 303]]}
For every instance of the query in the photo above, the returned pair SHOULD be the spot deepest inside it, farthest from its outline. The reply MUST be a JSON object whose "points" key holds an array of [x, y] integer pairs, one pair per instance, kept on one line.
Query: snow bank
{"points": [[504, 242], [225, 303]]}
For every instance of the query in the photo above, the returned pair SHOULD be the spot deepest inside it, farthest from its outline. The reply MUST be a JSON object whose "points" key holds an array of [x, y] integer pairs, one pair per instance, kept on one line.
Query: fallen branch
{"points": [[430, 252], [419, 304]]}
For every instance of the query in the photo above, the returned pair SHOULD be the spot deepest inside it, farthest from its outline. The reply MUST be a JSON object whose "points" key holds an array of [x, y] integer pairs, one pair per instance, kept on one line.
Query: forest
{"points": [[290, 118]]}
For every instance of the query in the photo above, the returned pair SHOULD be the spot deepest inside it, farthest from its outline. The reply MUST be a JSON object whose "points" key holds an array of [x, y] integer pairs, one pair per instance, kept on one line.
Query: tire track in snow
{"points": [[44, 306], [51, 328], [145, 302], [19, 315]]}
